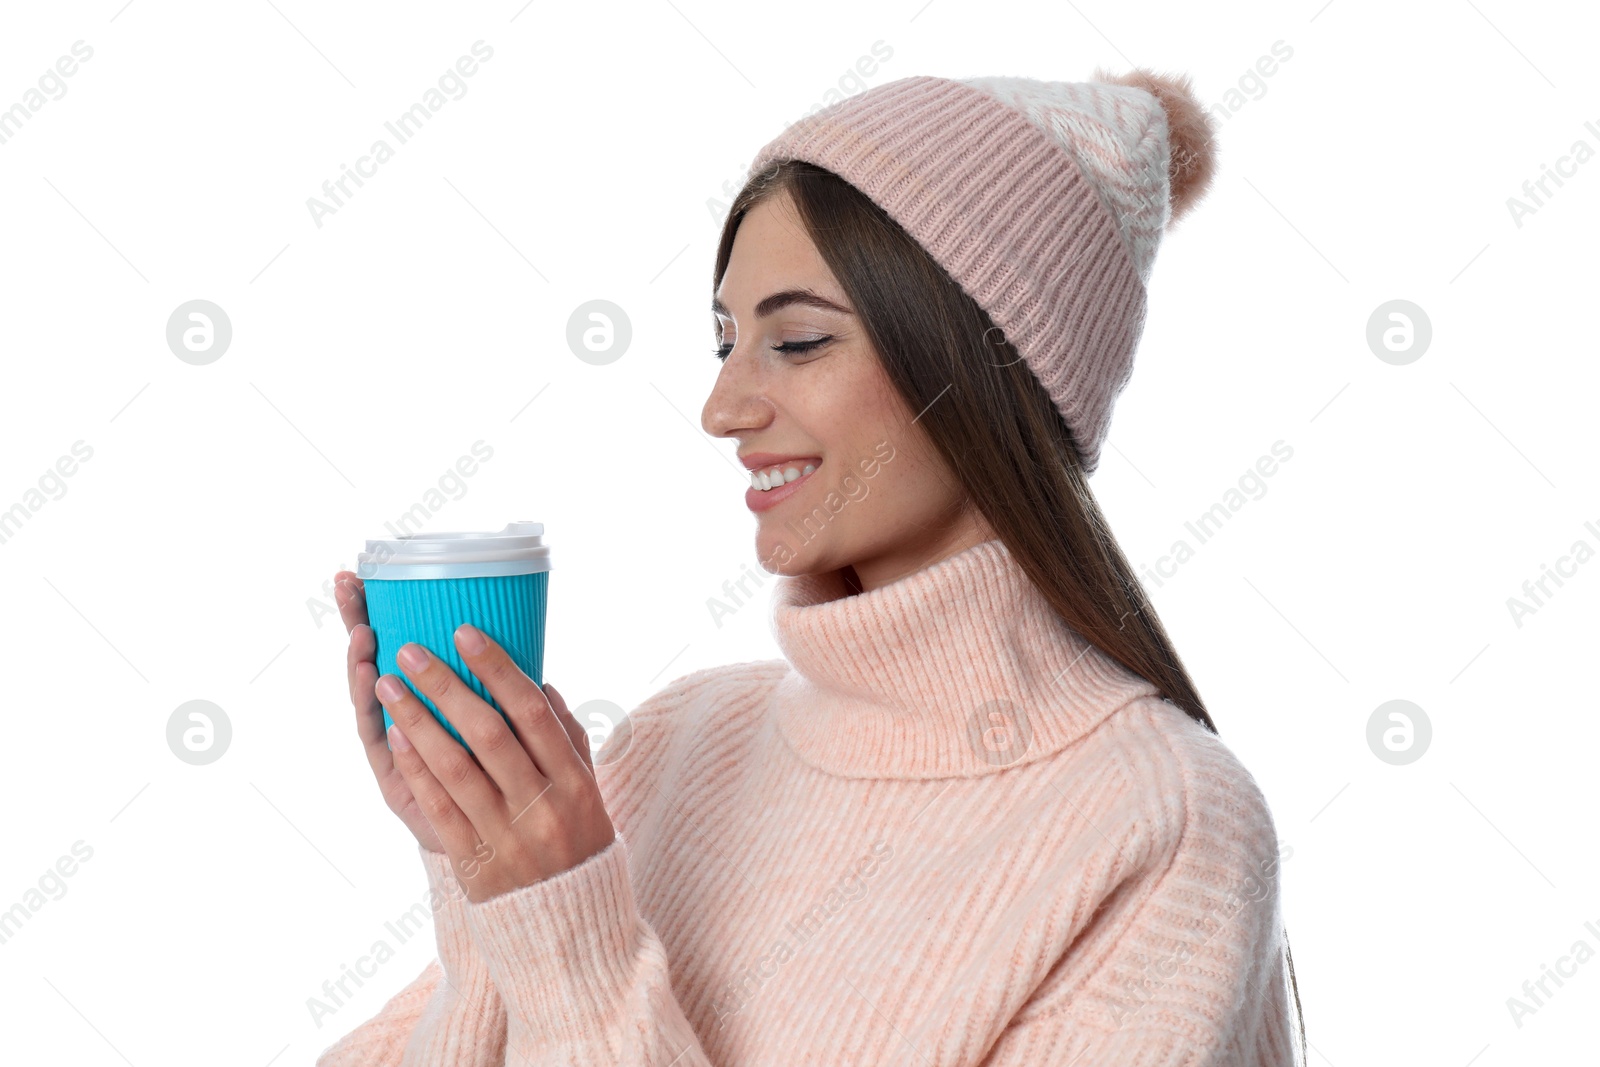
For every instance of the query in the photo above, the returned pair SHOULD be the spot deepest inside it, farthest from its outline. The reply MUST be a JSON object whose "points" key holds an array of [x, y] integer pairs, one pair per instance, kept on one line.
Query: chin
{"points": [[781, 554]]}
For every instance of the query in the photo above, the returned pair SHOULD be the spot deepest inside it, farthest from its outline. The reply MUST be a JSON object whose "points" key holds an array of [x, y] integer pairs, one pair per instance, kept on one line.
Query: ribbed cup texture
{"points": [[510, 609], [1001, 204]]}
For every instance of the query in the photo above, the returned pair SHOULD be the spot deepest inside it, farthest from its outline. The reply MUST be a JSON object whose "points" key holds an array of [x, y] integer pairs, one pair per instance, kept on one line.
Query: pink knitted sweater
{"points": [[944, 830]]}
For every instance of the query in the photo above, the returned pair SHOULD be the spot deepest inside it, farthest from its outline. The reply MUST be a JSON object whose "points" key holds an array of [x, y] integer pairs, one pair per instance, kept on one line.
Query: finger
{"points": [[485, 730], [457, 832], [369, 721], [541, 732], [363, 648], [350, 593], [579, 736], [455, 768]]}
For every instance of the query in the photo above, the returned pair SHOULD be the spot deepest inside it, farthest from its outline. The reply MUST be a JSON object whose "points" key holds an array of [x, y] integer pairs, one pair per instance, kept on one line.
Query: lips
{"points": [[764, 499], [767, 460]]}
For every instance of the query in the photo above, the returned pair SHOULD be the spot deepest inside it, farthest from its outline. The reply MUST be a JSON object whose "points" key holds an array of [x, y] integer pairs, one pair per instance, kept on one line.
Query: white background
{"points": [[186, 559]]}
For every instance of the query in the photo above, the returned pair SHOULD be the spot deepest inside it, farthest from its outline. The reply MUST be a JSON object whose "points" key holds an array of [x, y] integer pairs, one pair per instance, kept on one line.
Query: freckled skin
{"points": [[834, 401]]}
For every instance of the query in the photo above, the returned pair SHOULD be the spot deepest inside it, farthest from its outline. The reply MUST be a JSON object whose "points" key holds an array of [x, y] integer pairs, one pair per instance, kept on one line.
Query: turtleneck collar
{"points": [[959, 669]]}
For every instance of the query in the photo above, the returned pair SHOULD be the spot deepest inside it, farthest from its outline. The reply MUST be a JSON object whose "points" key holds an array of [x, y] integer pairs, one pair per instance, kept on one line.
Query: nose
{"points": [[738, 400]]}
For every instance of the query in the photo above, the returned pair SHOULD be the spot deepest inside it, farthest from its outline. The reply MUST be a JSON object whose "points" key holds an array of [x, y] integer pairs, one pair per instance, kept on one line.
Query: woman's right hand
{"points": [[349, 592]]}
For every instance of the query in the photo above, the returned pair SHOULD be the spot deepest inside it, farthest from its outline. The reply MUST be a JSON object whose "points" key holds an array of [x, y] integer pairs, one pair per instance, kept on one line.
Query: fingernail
{"points": [[342, 592], [469, 639], [411, 657], [390, 689], [397, 739]]}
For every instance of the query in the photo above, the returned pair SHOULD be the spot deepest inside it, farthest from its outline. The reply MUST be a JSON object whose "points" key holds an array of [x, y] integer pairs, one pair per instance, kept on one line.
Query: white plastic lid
{"points": [[517, 549]]}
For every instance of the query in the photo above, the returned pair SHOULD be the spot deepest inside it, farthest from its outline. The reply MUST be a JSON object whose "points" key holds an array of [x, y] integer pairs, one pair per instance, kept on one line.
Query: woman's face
{"points": [[878, 497]]}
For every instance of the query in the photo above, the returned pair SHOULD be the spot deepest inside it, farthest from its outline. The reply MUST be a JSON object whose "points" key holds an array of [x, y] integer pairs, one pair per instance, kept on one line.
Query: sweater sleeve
{"points": [[1253, 1029], [451, 1013], [1189, 966], [583, 976]]}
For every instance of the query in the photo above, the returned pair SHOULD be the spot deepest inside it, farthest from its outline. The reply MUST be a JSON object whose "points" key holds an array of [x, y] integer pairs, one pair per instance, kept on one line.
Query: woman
{"points": [[977, 814]]}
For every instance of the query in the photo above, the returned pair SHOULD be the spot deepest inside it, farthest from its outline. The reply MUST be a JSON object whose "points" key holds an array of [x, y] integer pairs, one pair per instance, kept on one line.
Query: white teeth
{"points": [[776, 476]]}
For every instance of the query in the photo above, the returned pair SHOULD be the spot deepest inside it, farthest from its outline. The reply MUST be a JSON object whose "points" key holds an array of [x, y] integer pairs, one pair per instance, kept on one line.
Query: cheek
{"points": [[846, 407], [857, 416], [868, 404], [917, 478], [893, 460]]}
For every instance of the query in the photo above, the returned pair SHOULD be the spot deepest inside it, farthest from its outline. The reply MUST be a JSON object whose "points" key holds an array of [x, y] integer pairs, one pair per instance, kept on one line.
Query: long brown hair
{"points": [[990, 419]]}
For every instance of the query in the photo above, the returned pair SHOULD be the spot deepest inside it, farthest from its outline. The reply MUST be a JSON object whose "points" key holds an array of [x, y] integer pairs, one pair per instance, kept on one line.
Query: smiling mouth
{"points": [[769, 478], [775, 483]]}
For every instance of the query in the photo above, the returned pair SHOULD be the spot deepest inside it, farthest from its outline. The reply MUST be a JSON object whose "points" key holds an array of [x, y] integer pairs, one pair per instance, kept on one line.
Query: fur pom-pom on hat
{"points": [[1191, 133]]}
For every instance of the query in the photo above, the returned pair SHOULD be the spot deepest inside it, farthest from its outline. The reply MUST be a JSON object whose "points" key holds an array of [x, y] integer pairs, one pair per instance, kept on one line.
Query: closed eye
{"points": [[787, 347]]}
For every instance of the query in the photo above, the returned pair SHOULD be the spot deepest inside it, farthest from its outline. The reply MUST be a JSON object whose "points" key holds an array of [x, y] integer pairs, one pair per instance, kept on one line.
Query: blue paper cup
{"points": [[421, 587]]}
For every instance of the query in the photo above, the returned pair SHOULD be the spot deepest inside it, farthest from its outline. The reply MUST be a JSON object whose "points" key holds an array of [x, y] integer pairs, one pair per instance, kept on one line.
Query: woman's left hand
{"points": [[528, 806]]}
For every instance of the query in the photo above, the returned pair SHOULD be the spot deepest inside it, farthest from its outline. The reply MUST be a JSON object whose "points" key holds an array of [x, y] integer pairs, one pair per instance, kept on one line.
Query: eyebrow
{"points": [[782, 299]]}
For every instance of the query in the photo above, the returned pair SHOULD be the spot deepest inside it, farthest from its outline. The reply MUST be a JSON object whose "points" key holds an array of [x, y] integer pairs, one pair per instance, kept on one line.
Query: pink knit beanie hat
{"points": [[1044, 200]]}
